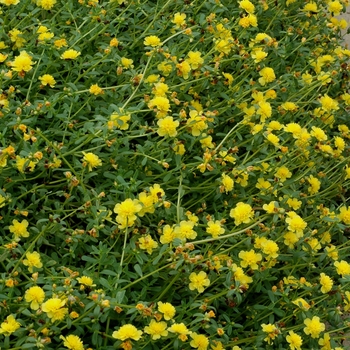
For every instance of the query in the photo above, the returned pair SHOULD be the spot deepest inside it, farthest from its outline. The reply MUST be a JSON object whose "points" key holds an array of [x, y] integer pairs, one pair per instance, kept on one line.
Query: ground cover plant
{"points": [[174, 175]]}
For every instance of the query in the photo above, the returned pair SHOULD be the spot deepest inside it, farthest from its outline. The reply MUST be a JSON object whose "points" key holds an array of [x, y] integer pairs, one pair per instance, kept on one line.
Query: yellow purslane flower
{"points": [[35, 296], [156, 329], [126, 212], [199, 281], [199, 341], [95, 90], [314, 327], [9, 326], [215, 228], [326, 283], [167, 127], [54, 309], [86, 281], [152, 40], [47, 79], [147, 243], [70, 54], [22, 63], [91, 160], [19, 229], [167, 310], [250, 258], [9, 2], [242, 213], [179, 19], [128, 331], [33, 260], [295, 340], [46, 4], [72, 342]]}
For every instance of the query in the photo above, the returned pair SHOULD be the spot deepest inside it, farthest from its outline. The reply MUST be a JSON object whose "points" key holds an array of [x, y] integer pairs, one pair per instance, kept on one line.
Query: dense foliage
{"points": [[174, 175]]}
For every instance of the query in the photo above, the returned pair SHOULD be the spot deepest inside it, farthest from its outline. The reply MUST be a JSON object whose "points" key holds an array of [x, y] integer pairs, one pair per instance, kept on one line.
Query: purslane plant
{"points": [[174, 175]]}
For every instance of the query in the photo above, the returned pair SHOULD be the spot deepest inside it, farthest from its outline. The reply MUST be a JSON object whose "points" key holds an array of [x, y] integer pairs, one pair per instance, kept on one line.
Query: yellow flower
{"points": [[295, 341], [126, 212], [114, 42], [167, 127], [181, 329], [161, 103], [2, 57], [87, 281], [270, 248], [242, 213], [311, 7], [250, 258], [315, 184], [165, 68], [59, 43], [95, 90], [214, 228], [264, 110], [46, 4], [35, 296], [335, 7], [33, 260], [168, 235], [120, 121], [199, 281], [271, 330], [344, 215], [184, 69], [196, 123], [128, 331], [22, 63], [47, 79], [54, 309], [267, 76], [156, 329], [9, 326], [289, 106], [147, 243], [195, 59], [152, 40], [156, 192], [160, 89], [273, 139], [301, 303], [179, 19], [185, 230], [19, 229], [70, 54], [206, 142], [72, 342], [240, 276], [167, 310], [91, 160], [247, 6], [147, 202], [199, 341], [314, 327], [318, 133], [343, 268], [9, 2], [258, 55], [227, 183], [127, 62], [328, 104], [326, 283], [295, 223], [290, 238], [283, 173]]}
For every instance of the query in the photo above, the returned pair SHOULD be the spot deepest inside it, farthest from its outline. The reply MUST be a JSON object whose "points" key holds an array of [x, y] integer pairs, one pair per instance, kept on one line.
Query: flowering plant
{"points": [[174, 175]]}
